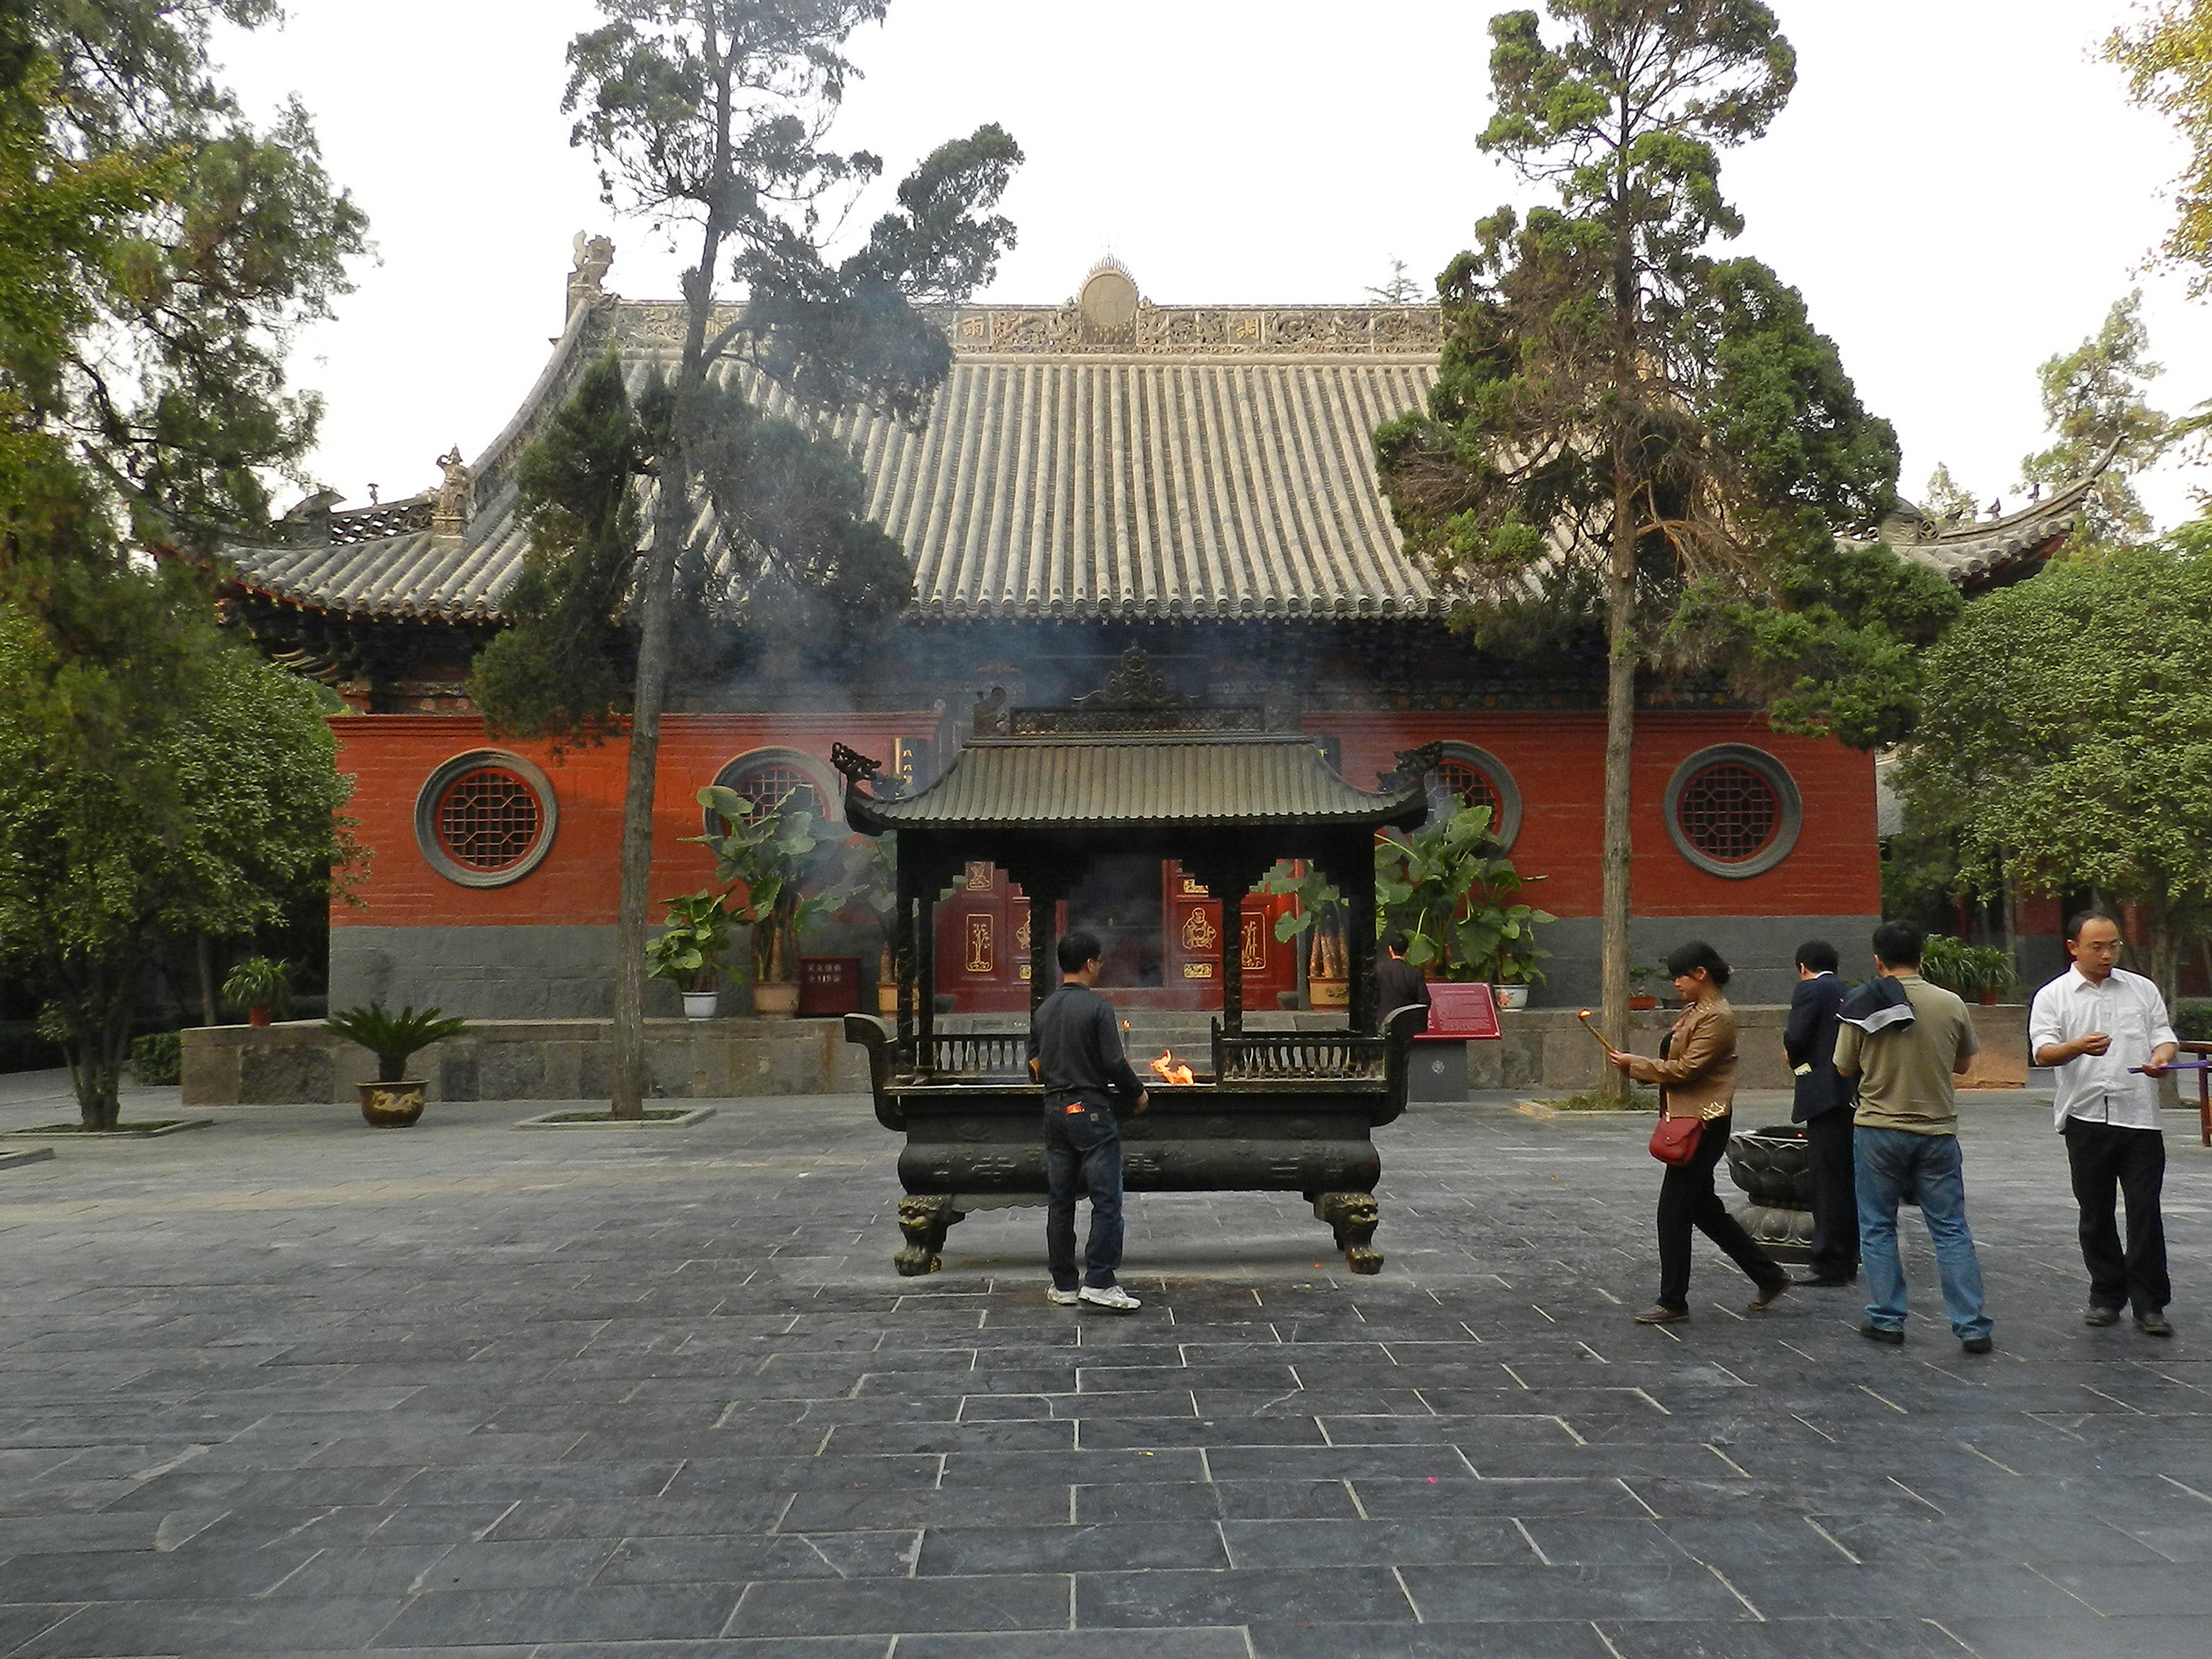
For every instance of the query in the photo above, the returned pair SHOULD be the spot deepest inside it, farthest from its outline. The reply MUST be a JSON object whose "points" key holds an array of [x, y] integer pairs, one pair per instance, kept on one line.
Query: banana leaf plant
{"points": [[1455, 893], [772, 856], [690, 948]]}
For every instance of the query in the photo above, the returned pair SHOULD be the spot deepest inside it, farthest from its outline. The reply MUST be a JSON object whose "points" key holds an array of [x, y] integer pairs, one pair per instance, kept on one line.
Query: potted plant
{"points": [[690, 947], [1321, 913], [394, 1100], [1642, 977], [1976, 971], [1456, 897], [771, 856], [255, 986]]}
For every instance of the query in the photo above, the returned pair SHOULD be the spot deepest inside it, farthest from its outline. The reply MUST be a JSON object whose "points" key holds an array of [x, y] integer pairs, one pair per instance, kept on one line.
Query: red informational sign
{"points": [[1460, 1013], [827, 986]]}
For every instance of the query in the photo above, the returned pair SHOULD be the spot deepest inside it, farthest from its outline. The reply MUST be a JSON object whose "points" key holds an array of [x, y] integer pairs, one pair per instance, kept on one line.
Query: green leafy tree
{"points": [[1629, 437], [1948, 502], [713, 117], [2169, 60], [2067, 733], [1400, 290], [157, 250], [2093, 403], [213, 819]]}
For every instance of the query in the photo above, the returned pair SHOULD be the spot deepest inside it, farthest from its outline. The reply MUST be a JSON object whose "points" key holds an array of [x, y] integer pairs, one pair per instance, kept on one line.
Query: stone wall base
{"points": [[527, 1059], [1543, 1049]]}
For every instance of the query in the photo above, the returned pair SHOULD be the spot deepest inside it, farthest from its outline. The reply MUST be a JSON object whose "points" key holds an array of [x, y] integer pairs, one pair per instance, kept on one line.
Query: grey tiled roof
{"points": [[1173, 479], [1208, 463], [1155, 780]]}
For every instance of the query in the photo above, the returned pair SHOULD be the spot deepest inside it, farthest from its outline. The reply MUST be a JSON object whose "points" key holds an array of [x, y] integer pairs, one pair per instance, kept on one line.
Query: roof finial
{"points": [[595, 256], [449, 514]]}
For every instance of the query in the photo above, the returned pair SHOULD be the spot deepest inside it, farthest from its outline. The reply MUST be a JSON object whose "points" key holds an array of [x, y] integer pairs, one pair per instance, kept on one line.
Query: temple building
{"points": [[1110, 499]]}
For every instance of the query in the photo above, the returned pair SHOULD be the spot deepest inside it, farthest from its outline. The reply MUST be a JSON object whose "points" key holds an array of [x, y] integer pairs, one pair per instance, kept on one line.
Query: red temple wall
{"points": [[1557, 761]]}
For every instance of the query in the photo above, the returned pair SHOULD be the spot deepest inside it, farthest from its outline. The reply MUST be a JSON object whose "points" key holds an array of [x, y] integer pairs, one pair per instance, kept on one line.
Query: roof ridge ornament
{"points": [[594, 257], [1136, 684], [449, 516]]}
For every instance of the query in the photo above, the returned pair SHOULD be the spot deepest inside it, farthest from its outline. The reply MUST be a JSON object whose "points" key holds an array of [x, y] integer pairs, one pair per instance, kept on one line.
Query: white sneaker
{"points": [[1112, 1297], [1061, 1298]]}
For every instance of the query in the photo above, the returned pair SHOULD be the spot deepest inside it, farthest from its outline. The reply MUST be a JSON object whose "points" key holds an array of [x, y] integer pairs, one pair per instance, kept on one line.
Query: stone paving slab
{"points": [[293, 1385]]}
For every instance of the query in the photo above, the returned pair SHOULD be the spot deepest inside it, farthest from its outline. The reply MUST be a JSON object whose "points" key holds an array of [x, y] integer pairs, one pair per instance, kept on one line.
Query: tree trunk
{"points": [[1619, 779], [654, 637], [204, 955]]}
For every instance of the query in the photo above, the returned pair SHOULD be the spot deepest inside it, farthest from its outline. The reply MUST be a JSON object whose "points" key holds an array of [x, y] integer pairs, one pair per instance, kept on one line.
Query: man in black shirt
{"points": [[1398, 983], [1824, 1103], [1075, 1051]]}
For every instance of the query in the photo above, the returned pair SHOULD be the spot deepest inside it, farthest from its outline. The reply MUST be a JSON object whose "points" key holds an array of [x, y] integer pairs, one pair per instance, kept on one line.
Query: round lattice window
{"points": [[1471, 785], [489, 819], [776, 788], [1475, 777], [772, 780], [1733, 811], [485, 819]]}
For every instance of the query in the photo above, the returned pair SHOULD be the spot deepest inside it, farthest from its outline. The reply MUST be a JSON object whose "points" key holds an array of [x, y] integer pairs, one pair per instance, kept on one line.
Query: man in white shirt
{"points": [[2106, 1032]]}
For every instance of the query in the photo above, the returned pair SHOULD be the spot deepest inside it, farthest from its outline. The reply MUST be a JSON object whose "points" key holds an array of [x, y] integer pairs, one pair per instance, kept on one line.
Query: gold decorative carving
{"points": [[1198, 970], [980, 927], [1199, 934], [980, 878], [1255, 945]]}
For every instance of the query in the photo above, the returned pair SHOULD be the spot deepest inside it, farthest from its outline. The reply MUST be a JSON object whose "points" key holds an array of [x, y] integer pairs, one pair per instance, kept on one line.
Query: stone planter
{"points": [[774, 1000], [701, 1004], [391, 1105], [1775, 1170], [1511, 996]]}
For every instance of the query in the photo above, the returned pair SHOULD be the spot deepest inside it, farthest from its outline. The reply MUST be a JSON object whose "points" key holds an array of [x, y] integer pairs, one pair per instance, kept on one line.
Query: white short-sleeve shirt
{"points": [[2099, 1088]]}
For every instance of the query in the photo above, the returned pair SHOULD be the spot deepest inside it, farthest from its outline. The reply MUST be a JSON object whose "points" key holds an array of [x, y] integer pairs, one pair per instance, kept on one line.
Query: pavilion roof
{"points": [[1155, 780]]}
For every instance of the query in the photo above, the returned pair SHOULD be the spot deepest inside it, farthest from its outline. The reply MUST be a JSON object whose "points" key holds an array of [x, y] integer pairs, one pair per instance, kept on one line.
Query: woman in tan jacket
{"points": [[1696, 1075]]}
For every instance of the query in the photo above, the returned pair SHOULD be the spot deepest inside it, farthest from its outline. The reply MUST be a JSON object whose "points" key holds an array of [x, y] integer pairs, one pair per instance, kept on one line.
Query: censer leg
{"points": [[924, 1219], [1354, 1217]]}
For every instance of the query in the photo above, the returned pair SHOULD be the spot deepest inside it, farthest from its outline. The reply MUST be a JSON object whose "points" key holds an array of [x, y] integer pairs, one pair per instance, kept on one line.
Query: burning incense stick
{"points": [[1595, 1036]]}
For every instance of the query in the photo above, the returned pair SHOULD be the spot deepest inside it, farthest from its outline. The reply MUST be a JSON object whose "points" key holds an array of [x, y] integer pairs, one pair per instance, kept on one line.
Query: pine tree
{"points": [[1629, 437], [2093, 404], [713, 116]]}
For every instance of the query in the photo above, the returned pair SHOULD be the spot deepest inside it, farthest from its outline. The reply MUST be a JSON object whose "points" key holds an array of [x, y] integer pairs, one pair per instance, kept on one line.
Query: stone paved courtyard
{"points": [[287, 1385]]}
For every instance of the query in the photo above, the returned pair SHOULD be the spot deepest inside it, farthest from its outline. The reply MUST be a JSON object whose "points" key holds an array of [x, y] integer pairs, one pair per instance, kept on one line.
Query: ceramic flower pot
{"points": [[1511, 996], [775, 1000], [256, 1015], [887, 1001], [1329, 992], [701, 1004], [1641, 1004], [391, 1105]]}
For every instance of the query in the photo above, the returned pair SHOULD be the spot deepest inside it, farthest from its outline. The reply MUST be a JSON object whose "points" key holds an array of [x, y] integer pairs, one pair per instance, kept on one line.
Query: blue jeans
{"points": [[1892, 1165], [1082, 1150]]}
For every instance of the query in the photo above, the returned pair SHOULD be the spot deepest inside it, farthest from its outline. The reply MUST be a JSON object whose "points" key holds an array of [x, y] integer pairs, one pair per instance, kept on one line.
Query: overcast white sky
{"points": [[1959, 187]]}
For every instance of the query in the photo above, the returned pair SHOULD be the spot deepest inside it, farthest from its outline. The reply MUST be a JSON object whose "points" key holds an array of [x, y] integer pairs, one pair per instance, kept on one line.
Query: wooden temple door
{"points": [[983, 943], [1194, 943]]}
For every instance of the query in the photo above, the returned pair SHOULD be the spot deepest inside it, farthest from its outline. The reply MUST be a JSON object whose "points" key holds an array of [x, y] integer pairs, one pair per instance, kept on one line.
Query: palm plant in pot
{"points": [[771, 855], [394, 1100], [1975, 971], [690, 948], [1455, 894], [255, 986]]}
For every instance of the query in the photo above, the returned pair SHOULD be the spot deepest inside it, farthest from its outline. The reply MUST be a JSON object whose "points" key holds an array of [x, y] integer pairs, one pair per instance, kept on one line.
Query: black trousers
{"points": [[1687, 1200], [1835, 1196], [2104, 1157]]}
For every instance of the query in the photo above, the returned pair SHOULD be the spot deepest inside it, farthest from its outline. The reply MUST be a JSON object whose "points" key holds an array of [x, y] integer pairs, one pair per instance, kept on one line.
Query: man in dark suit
{"points": [[1824, 1105], [1397, 982]]}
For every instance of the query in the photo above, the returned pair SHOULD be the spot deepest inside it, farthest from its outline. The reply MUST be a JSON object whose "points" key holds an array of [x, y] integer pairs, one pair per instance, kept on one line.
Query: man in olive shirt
{"points": [[1906, 1144]]}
